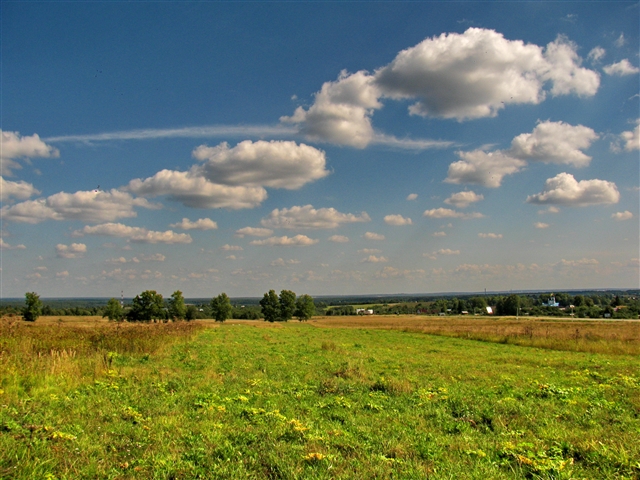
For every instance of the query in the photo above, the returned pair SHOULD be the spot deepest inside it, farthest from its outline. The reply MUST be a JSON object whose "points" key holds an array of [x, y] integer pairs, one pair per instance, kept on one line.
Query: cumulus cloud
{"points": [[621, 68], [231, 248], [541, 225], [374, 259], [15, 146], [412, 196], [475, 74], [279, 262], [6, 246], [620, 216], [200, 224], [75, 250], [448, 213], [564, 189], [397, 220], [90, 206], [373, 236], [309, 217], [253, 232], [483, 168], [369, 251], [297, 241], [490, 235], [632, 138], [134, 234], [554, 142], [20, 190], [338, 239], [596, 54], [448, 251], [463, 199], [392, 272]]}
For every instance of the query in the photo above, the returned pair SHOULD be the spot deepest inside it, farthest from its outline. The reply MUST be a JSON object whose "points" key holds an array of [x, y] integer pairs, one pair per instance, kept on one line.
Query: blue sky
{"points": [[326, 148]]}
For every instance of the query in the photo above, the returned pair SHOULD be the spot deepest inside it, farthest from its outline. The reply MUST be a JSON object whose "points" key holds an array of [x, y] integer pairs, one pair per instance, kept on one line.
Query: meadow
{"points": [[369, 397]]}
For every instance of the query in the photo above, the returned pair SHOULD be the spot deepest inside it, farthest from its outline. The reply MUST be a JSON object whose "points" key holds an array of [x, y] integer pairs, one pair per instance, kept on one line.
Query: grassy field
{"points": [[333, 398]]}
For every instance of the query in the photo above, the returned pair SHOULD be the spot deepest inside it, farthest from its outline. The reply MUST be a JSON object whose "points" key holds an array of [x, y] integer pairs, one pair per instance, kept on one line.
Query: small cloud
{"points": [[254, 232], [620, 216], [338, 239], [440, 234], [541, 225], [412, 196], [564, 189], [200, 224], [297, 241], [448, 213], [551, 209], [620, 41], [374, 259], [373, 236], [231, 257], [622, 68], [369, 251], [596, 54], [75, 250], [463, 199], [397, 220], [448, 251], [5, 246], [63, 274], [490, 235], [231, 248]]}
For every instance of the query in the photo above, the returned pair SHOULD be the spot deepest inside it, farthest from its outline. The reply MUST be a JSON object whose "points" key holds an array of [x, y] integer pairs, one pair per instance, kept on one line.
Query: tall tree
{"points": [[287, 303], [147, 306], [33, 307], [221, 307], [270, 306], [113, 310], [305, 308], [177, 308]]}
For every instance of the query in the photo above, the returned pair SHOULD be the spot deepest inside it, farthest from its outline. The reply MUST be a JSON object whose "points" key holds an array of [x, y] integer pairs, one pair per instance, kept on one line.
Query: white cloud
{"points": [[134, 234], [309, 217], [463, 199], [13, 146], [412, 196], [448, 213], [200, 224], [193, 190], [297, 241], [620, 216], [154, 257], [338, 239], [551, 209], [475, 74], [621, 68], [541, 225], [89, 206], [483, 168], [20, 190], [341, 112], [620, 41], [490, 235], [63, 274], [448, 251], [253, 232], [282, 263], [274, 164], [440, 234], [397, 220], [231, 248], [564, 189], [369, 251], [392, 272], [373, 236], [374, 259], [554, 142], [632, 138], [6, 246], [596, 54], [75, 250]]}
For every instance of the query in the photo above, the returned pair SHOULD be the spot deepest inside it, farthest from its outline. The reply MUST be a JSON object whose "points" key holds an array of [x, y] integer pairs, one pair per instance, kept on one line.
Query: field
{"points": [[339, 397]]}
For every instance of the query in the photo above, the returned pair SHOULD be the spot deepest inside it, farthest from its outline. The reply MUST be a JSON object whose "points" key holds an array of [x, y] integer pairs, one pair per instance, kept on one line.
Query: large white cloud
{"points": [[483, 168], [274, 164], [554, 142], [192, 189], [478, 72], [200, 224], [90, 206], [14, 146], [463, 199], [20, 190], [341, 112], [297, 241], [309, 217], [623, 67], [134, 234], [564, 189], [75, 250]]}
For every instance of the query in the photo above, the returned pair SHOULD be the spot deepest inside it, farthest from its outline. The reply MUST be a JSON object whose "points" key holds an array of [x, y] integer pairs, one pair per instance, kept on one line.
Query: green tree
{"points": [[287, 303], [305, 307], [192, 313], [33, 307], [221, 307], [509, 305], [113, 310], [147, 306], [270, 306], [177, 308]]}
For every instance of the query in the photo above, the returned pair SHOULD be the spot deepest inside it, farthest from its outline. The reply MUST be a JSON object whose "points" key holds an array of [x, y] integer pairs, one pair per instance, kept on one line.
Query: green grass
{"points": [[302, 402]]}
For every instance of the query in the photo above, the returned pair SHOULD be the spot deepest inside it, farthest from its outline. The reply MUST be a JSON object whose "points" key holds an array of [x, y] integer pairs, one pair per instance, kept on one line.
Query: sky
{"points": [[323, 147]]}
